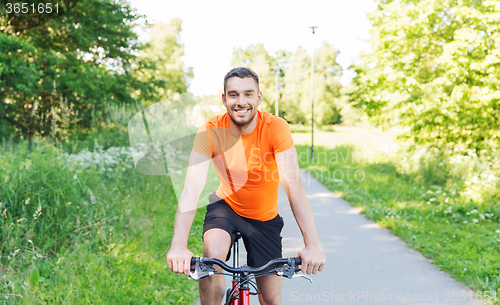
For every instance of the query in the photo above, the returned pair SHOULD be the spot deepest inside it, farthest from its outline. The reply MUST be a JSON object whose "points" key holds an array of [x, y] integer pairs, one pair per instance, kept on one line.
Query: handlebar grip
{"points": [[194, 259], [298, 262]]}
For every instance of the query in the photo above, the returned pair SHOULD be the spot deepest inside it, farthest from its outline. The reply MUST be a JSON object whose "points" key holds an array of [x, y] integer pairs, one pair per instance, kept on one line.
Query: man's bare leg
{"points": [[271, 289], [216, 244]]}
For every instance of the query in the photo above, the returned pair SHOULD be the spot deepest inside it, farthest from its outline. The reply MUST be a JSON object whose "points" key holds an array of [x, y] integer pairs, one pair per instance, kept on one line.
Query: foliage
{"points": [[327, 88], [64, 76], [297, 92], [294, 85], [434, 67], [441, 203], [257, 58], [81, 62], [163, 51], [86, 227], [349, 113], [297, 96], [211, 105], [19, 77]]}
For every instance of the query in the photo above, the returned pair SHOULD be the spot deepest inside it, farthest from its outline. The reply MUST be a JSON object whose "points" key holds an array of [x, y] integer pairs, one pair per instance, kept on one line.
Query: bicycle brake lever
{"points": [[194, 275], [201, 271], [304, 276], [287, 270]]}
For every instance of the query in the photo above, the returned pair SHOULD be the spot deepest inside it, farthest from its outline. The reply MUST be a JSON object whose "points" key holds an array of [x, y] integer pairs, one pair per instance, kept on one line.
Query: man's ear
{"points": [[224, 99], [259, 98]]}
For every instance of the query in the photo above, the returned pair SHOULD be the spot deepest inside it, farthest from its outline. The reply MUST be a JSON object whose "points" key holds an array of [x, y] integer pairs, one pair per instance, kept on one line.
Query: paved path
{"points": [[365, 263]]}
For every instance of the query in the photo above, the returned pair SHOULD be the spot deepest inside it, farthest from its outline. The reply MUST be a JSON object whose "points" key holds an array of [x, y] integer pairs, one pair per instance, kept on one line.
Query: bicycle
{"points": [[244, 276]]}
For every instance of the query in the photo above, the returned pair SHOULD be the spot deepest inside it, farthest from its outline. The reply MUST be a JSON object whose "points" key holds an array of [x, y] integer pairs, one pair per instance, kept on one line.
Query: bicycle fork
{"points": [[241, 295]]}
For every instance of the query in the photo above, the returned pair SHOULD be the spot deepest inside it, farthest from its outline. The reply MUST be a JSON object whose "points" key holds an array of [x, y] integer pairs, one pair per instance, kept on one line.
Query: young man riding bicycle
{"points": [[253, 152]]}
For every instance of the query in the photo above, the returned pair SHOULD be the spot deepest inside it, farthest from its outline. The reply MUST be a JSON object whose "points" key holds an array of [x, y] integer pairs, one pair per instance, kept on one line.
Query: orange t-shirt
{"points": [[246, 164]]}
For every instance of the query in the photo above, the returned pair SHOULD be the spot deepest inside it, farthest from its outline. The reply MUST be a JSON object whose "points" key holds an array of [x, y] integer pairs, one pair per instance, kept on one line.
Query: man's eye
{"points": [[232, 95], [249, 94]]}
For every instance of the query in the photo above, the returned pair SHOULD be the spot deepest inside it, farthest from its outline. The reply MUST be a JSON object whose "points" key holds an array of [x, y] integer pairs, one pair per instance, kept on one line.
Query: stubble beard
{"points": [[240, 125]]}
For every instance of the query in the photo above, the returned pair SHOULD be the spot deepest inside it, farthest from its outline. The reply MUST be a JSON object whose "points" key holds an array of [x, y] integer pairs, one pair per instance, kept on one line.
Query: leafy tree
{"points": [[163, 53], [434, 67], [294, 87], [258, 59], [19, 80], [297, 97], [327, 84], [296, 102], [211, 105], [81, 62]]}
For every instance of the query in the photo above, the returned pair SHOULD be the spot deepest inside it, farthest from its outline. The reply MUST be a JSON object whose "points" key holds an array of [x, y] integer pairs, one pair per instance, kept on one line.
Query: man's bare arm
{"points": [[313, 257], [179, 257]]}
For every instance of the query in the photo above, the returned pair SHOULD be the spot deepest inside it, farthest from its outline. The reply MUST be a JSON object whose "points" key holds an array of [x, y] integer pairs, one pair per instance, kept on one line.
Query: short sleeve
{"points": [[202, 143], [280, 136]]}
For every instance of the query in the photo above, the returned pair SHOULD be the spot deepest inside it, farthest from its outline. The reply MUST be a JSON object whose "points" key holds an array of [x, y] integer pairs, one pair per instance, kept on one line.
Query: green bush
{"points": [[86, 228], [442, 203]]}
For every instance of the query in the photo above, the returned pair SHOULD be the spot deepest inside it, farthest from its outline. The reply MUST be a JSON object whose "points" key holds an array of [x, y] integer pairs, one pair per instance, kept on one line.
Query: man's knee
{"points": [[271, 290], [216, 244], [269, 301], [211, 289]]}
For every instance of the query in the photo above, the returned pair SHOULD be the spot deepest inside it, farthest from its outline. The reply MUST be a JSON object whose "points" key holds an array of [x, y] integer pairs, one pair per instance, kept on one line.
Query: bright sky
{"points": [[212, 29]]}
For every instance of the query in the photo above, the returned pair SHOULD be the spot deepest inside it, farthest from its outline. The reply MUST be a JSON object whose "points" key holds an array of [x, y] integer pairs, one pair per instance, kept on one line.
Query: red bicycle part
{"points": [[245, 297], [236, 293]]}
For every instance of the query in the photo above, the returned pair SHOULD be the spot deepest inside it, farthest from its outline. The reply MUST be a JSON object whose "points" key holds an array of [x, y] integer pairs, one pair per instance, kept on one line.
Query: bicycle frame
{"points": [[240, 295]]}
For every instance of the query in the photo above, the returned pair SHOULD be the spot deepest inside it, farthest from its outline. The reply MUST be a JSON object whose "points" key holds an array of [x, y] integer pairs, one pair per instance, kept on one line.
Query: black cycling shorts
{"points": [[262, 239]]}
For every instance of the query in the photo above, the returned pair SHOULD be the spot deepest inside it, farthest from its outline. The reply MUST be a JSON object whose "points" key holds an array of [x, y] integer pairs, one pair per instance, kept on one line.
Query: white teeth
{"points": [[242, 111]]}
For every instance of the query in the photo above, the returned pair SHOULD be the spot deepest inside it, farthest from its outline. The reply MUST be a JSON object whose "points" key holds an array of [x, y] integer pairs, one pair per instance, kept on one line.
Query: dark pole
{"points": [[276, 111], [312, 99]]}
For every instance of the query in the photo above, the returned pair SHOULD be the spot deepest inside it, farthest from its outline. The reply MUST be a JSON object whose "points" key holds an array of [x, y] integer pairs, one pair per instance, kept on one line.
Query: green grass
{"points": [[432, 200], [101, 237]]}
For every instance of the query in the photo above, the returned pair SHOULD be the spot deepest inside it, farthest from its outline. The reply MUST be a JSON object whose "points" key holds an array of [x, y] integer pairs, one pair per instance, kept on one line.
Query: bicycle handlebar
{"points": [[203, 266]]}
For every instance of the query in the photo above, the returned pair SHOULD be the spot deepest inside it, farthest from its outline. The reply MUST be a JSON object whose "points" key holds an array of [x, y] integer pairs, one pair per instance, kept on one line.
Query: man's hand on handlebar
{"points": [[313, 259], [179, 260]]}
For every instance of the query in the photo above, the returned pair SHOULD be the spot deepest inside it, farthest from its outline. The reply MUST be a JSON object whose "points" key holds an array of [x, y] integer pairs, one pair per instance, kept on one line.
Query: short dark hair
{"points": [[241, 72]]}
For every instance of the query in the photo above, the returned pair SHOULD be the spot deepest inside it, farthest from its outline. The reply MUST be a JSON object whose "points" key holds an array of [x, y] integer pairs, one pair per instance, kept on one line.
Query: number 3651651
{"points": [[26, 8]]}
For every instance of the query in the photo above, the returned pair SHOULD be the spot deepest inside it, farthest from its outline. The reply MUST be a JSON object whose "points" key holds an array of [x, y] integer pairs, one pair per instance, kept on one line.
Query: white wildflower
{"points": [[38, 212]]}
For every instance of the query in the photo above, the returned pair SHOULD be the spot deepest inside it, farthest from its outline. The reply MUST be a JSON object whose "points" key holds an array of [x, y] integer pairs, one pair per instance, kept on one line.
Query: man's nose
{"points": [[240, 101]]}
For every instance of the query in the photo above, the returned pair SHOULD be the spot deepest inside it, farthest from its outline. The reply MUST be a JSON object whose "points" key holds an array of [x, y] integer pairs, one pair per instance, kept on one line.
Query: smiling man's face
{"points": [[241, 99]]}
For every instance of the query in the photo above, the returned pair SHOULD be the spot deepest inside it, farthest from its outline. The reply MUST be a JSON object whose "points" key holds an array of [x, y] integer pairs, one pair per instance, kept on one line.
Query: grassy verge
{"points": [[97, 232], [94, 232], [443, 205]]}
